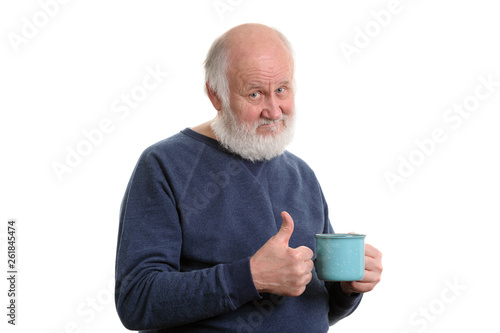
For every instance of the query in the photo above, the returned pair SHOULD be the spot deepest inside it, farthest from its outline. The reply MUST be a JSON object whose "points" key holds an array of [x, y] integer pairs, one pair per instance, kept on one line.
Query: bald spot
{"points": [[253, 41]]}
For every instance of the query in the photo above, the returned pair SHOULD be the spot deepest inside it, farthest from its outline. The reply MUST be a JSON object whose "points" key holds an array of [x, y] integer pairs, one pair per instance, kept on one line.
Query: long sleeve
{"points": [[341, 305], [191, 218], [151, 290]]}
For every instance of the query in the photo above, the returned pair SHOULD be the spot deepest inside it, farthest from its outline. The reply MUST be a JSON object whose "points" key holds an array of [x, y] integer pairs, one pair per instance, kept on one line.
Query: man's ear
{"points": [[214, 98]]}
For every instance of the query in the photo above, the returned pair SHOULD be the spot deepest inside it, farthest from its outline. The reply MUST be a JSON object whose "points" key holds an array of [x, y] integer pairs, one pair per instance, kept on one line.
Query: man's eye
{"points": [[280, 90], [254, 95]]}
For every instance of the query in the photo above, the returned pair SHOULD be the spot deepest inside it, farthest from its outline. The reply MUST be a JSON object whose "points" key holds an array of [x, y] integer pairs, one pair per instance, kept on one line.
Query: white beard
{"points": [[243, 139]]}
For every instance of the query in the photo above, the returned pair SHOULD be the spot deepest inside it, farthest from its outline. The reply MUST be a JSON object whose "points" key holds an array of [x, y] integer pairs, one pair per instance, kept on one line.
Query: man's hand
{"points": [[279, 269], [373, 272]]}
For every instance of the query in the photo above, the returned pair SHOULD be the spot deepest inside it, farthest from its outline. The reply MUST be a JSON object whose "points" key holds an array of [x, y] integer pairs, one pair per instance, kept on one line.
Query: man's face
{"points": [[257, 122], [261, 91]]}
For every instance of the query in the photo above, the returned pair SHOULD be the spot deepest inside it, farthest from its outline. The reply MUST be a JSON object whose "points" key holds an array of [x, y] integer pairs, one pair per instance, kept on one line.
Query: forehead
{"points": [[258, 70]]}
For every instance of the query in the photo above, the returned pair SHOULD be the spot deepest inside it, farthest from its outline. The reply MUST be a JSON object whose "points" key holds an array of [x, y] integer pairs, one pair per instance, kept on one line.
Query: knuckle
{"points": [[305, 251], [310, 266], [298, 291], [295, 255], [297, 270]]}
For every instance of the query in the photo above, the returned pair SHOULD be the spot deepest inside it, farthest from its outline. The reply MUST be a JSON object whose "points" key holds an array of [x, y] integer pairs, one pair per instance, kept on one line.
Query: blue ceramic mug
{"points": [[340, 257]]}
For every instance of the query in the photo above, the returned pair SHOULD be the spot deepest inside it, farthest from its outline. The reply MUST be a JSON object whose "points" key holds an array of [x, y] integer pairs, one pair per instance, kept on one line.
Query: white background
{"points": [[356, 119]]}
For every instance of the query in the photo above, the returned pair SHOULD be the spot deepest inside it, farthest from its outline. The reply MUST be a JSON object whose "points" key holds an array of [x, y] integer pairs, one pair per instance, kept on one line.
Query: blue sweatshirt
{"points": [[192, 216]]}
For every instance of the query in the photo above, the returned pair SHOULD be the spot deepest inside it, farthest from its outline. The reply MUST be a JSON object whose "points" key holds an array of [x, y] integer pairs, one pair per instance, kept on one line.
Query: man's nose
{"points": [[271, 109]]}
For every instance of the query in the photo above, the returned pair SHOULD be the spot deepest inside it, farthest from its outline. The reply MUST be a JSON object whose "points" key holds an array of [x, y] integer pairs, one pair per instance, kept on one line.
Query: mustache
{"points": [[283, 117]]}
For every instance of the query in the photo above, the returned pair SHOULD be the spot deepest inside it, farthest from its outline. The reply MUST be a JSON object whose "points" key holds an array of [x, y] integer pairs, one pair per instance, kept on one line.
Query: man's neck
{"points": [[205, 129]]}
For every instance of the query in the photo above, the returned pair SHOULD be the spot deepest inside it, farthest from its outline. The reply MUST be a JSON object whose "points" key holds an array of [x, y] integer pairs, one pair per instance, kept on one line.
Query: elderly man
{"points": [[207, 242]]}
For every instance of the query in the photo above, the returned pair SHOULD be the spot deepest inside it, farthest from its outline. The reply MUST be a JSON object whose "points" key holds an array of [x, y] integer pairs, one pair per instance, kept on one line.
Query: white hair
{"points": [[243, 139], [217, 63]]}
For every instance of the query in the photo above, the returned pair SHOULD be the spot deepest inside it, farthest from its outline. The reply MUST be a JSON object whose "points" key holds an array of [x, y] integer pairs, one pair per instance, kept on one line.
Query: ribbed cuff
{"points": [[342, 300], [239, 283]]}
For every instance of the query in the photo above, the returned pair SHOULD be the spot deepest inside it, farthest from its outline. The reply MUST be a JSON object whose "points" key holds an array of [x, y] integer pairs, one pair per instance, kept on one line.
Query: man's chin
{"points": [[270, 129], [266, 146], [260, 143]]}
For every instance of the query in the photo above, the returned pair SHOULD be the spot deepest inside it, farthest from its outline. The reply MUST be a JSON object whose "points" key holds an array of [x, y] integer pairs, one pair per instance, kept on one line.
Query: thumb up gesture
{"points": [[279, 269]]}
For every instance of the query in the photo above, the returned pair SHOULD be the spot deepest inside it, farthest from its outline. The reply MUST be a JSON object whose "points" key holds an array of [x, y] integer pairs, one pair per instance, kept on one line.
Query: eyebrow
{"points": [[254, 85]]}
